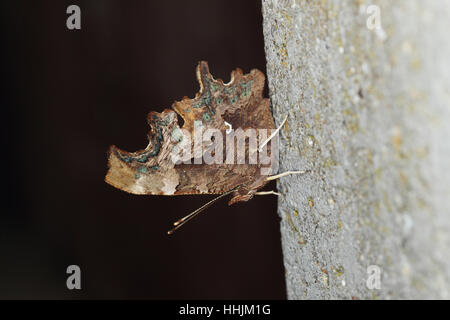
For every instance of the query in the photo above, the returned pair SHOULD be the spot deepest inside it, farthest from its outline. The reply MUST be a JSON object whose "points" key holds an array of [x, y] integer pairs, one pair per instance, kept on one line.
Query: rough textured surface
{"points": [[369, 114]]}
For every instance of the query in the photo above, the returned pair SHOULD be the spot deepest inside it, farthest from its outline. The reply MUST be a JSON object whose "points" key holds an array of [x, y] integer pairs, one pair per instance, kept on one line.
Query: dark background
{"points": [[67, 95]]}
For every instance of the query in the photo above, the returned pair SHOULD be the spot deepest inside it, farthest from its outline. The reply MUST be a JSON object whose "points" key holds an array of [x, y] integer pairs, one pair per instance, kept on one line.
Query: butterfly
{"points": [[175, 160]]}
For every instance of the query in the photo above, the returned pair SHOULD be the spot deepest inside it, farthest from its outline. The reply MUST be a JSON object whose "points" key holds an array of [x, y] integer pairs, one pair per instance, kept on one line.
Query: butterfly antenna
{"points": [[277, 176], [179, 223]]}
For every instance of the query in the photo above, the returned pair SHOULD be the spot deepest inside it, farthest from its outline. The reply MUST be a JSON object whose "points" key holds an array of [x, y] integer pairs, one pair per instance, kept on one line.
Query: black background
{"points": [[67, 96]]}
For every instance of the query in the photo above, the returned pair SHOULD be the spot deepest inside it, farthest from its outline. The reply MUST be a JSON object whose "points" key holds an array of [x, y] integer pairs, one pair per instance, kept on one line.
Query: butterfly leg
{"points": [[263, 193], [277, 176], [273, 134]]}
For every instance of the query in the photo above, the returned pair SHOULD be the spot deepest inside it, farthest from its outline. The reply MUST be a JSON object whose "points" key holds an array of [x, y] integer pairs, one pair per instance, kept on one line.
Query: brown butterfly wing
{"points": [[152, 171]]}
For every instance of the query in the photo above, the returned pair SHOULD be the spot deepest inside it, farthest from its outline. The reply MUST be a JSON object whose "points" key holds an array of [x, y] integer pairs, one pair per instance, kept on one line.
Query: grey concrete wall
{"points": [[369, 115]]}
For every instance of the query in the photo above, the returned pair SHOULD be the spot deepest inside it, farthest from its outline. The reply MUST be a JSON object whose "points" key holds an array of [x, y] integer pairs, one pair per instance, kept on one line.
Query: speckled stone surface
{"points": [[369, 115]]}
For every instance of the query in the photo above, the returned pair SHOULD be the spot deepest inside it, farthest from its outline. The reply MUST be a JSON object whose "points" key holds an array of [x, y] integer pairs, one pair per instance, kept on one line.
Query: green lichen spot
{"points": [[177, 135], [207, 98], [137, 175], [154, 167], [233, 99], [126, 159], [188, 110], [246, 88], [156, 148], [206, 117], [198, 123], [143, 169], [248, 84], [219, 100], [197, 105], [214, 86], [245, 93], [229, 90]]}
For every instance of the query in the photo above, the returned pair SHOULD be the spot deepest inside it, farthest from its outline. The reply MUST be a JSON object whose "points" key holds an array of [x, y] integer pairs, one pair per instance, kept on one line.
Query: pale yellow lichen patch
{"points": [[289, 221], [331, 202], [286, 128], [397, 139], [403, 178], [301, 241], [324, 276], [422, 152], [378, 173], [370, 157], [329, 162], [310, 202], [351, 119], [416, 63], [324, 279], [386, 202], [338, 270]]}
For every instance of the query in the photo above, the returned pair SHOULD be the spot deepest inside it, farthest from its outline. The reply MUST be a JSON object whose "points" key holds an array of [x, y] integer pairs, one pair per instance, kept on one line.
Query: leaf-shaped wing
{"points": [[237, 104]]}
